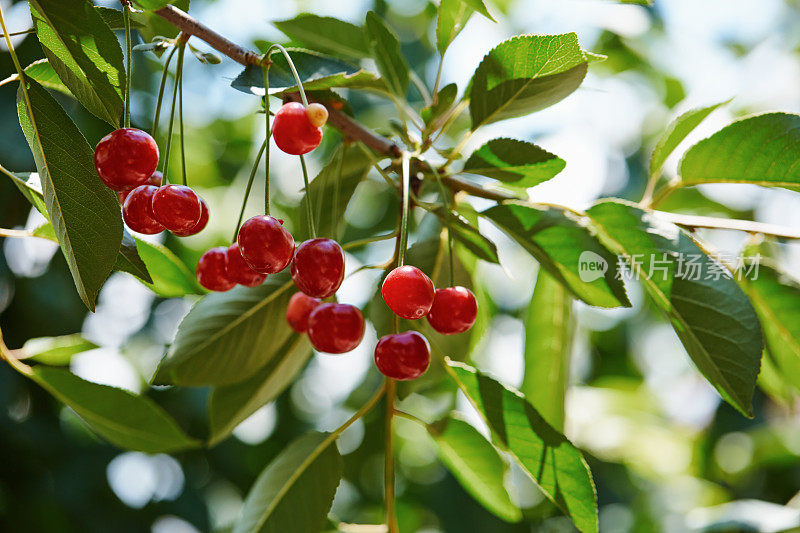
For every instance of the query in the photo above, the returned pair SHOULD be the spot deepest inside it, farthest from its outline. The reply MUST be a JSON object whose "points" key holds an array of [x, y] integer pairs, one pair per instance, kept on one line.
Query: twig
{"points": [[696, 221]]}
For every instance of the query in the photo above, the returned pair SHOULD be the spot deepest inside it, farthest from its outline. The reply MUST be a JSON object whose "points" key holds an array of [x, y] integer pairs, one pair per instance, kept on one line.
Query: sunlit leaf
{"points": [[326, 34], [518, 163], [56, 351], [385, 49]]}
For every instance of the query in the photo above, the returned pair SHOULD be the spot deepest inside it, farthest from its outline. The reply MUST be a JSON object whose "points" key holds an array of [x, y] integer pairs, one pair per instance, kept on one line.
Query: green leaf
{"points": [[468, 235], [114, 18], [475, 463], [152, 5], [56, 351], [444, 99], [129, 260], [713, 317], [525, 74], [119, 416], [42, 72], [295, 491], [331, 192], [385, 49], [30, 185], [228, 336], [317, 72], [562, 245], [84, 52], [545, 454], [152, 25], [326, 34], [230, 405], [170, 277], [548, 343], [453, 16], [776, 298], [676, 132], [517, 163], [84, 212], [761, 150]]}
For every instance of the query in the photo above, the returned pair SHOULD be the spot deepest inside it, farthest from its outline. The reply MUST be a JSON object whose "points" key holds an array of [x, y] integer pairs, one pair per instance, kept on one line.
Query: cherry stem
{"points": [[126, 17], [276, 46], [265, 71], [404, 217], [366, 408], [409, 416], [180, 123], [446, 204], [335, 212], [312, 230], [161, 87], [179, 68], [249, 186], [8, 354], [22, 32], [388, 470]]}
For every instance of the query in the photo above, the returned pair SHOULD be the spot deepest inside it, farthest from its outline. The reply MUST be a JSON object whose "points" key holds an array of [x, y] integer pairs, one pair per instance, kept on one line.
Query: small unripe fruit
{"points": [[317, 114]]}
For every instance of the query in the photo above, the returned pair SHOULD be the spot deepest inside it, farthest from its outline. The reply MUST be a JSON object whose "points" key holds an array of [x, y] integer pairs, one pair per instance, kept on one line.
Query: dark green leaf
{"points": [[517, 163], [385, 49], [468, 235], [84, 212], [317, 72], [326, 34], [84, 52], [475, 463], [444, 99], [119, 416], [711, 315], [332, 191], [129, 260], [227, 337], [295, 491], [761, 150], [153, 26], [42, 72], [676, 132], [170, 277], [545, 454], [776, 298], [525, 74], [152, 5], [232, 404], [563, 246], [548, 342], [114, 19], [56, 351]]}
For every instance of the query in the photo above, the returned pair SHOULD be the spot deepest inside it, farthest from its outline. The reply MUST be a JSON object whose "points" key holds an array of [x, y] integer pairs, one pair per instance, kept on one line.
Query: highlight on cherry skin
{"points": [[454, 310], [299, 309], [126, 158], [293, 129], [335, 328], [403, 356], [137, 211], [265, 244], [318, 267], [211, 270], [408, 292], [237, 270], [177, 208]]}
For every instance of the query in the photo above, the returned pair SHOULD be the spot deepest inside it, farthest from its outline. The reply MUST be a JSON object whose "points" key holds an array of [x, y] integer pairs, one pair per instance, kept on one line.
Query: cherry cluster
{"points": [[411, 294], [126, 160]]}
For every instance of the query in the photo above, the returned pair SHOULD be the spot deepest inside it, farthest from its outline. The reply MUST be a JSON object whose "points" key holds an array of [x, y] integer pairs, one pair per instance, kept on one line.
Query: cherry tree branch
{"points": [[748, 226]]}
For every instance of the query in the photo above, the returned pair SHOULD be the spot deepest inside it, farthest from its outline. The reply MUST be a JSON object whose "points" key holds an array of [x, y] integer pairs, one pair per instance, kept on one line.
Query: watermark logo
{"points": [[591, 266]]}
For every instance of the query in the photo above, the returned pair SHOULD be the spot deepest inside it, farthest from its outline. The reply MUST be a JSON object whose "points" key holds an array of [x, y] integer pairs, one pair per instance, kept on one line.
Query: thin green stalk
{"points": [[161, 87], [366, 408], [247, 189], [126, 17], [276, 46], [311, 227], [388, 470], [265, 71], [180, 123], [179, 68], [23, 32], [404, 217], [446, 204], [368, 240], [335, 212]]}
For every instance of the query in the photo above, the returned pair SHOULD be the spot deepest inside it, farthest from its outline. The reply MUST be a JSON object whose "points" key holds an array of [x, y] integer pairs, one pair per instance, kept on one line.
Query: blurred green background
{"points": [[666, 453]]}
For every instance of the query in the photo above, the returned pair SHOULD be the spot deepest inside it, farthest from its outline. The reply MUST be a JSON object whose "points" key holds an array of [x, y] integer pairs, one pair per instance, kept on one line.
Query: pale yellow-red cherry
{"points": [[317, 114]]}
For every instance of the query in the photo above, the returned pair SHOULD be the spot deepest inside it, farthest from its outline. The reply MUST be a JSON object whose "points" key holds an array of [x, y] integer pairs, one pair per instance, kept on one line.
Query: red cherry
{"points": [[293, 131], [177, 207], [155, 179], [236, 268], [318, 267], [403, 356], [126, 158], [300, 307], [454, 310], [199, 225], [266, 245], [211, 270], [335, 328], [137, 211], [408, 292]]}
